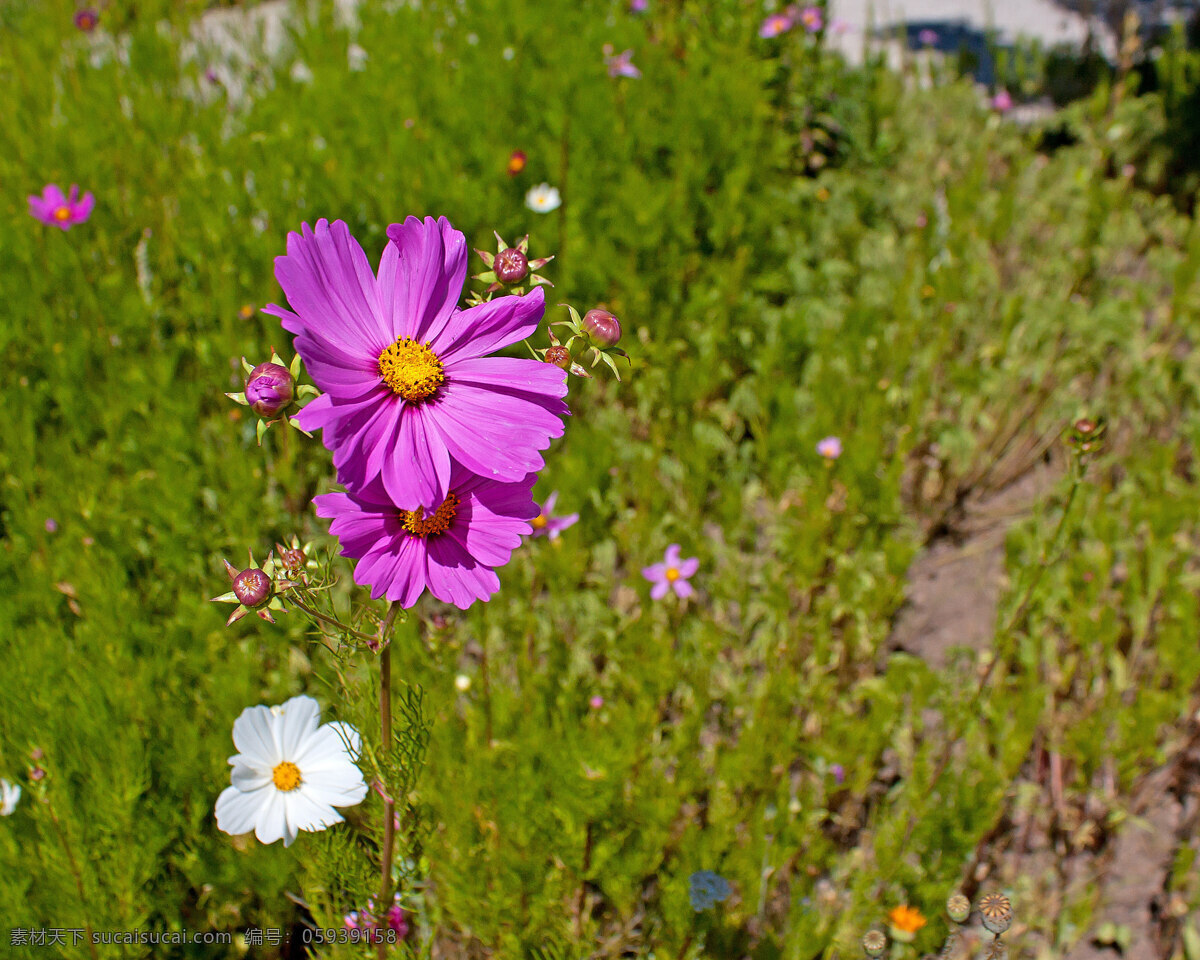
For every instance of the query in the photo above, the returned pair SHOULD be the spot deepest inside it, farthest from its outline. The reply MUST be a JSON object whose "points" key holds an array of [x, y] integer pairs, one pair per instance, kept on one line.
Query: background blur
{"points": [[800, 244]]}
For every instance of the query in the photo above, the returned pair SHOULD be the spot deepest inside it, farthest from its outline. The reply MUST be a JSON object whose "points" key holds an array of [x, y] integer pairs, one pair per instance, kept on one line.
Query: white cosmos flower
{"points": [[543, 198], [10, 793], [290, 773]]}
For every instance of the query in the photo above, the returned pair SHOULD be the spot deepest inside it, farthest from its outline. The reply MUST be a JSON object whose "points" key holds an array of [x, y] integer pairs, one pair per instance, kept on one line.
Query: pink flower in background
{"points": [[545, 524], [774, 25], [596, 702], [839, 26], [637, 6], [671, 574], [927, 38], [56, 210], [451, 551], [87, 19], [830, 448], [621, 64], [1002, 102], [409, 388], [811, 18]]}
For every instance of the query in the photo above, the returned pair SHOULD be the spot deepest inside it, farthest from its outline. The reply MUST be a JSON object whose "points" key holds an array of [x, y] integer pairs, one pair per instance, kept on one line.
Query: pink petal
{"points": [[421, 275], [671, 557], [683, 589], [490, 326], [659, 590], [656, 572], [417, 474], [689, 567], [330, 286]]}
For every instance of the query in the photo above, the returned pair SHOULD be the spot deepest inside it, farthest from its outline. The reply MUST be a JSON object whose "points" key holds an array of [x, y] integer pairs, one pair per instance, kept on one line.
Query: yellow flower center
{"points": [[539, 521], [411, 369], [672, 574], [286, 776], [419, 525], [62, 213]]}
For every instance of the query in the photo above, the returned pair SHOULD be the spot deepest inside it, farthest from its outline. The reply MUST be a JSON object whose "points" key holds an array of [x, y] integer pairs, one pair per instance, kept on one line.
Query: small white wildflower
{"points": [[356, 56], [301, 73], [462, 683], [10, 793], [543, 198]]}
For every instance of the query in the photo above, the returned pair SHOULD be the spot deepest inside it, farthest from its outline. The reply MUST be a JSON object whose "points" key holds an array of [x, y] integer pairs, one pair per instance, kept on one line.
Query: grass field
{"points": [[796, 250]]}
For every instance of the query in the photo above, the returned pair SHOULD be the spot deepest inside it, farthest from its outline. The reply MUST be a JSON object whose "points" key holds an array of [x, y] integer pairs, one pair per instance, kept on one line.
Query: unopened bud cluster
{"points": [[594, 336]]}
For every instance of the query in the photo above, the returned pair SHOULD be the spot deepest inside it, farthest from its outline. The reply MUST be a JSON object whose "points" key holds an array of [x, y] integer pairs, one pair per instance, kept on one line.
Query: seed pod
{"points": [[996, 911], [959, 908], [874, 943], [559, 356]]}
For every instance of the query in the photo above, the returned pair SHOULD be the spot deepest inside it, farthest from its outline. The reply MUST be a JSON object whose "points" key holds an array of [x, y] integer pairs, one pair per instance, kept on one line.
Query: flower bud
{"points": [[559, 356], [959, 908], [874, 943], [252, 587], [269, 389], [511, 265], [603, 328]]}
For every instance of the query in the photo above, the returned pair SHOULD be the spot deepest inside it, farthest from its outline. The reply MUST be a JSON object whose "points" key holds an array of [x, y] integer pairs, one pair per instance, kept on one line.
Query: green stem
{"points": [[389, 805], [338, 623], [75, 873]]}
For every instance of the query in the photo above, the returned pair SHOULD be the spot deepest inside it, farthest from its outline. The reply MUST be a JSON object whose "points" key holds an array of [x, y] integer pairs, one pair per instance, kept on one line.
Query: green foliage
{"points": [[931, 291]]}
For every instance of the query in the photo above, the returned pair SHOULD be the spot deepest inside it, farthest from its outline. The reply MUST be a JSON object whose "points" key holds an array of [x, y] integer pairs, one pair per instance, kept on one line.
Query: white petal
{"points": [[254, 736], [306, 813], [247, 777], [238, 812], [297, 722], [333, 743], [338, 786], [272, 822]]}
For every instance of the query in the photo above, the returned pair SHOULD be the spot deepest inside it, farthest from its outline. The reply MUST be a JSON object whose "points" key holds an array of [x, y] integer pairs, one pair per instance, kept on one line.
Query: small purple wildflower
{"points": [[671, 574], [839, 773], [1002, 102], [596, 702], [774, 25], [51, 525], [927, 38], [87, 19], [830, 448], [637, 6], [621, 64], [55, 209], [812, 20], [545, 524], [839, 26]]}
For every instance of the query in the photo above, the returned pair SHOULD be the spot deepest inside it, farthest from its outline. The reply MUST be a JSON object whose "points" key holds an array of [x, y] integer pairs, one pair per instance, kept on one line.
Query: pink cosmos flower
{"points": [[408, 387], [1002, 102], [830, 448], [927, 38], [545, 524], [774, 25], [451, 551], [56, 210], [672, 573], [621, 64], [811, 18]]}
